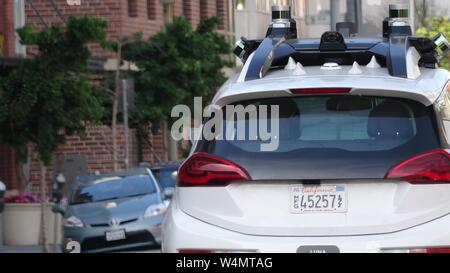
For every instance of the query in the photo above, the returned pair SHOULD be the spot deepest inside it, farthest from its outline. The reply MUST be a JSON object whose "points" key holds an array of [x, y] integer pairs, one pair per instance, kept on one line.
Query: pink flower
{"points": [[23, 198]]}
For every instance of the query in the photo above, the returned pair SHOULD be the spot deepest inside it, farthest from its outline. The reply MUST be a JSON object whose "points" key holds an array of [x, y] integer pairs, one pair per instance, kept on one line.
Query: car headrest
{"points": [[391, 120], [289, 123]]}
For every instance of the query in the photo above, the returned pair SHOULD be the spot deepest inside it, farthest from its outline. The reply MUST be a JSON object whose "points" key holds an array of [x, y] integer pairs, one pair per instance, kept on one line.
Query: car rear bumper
{"points": [[142, 233], [181, 231]]}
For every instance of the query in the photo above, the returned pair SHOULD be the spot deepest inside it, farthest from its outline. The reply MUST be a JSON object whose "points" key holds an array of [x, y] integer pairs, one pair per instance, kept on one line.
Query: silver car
{"points": [[114, 212]]}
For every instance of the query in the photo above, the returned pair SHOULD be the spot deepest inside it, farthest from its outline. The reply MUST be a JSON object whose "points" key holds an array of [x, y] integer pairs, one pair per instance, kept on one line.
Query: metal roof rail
{"points": [[264, 56], [283, 27]]}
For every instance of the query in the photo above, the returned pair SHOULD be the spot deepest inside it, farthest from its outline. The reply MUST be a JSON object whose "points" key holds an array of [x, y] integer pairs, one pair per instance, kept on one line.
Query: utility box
{"points": [[71, 166]]}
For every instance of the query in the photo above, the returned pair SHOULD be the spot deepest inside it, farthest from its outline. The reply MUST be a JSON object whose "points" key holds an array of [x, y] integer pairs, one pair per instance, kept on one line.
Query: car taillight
{"points": [[441, 250], [444, 250], [317, 91], [438, 250], [207, 170], [428, 168]]}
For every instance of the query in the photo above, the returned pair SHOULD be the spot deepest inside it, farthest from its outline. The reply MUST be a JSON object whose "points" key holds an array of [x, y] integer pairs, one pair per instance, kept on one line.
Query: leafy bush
{"points": [[50, 96], [176, 65]]}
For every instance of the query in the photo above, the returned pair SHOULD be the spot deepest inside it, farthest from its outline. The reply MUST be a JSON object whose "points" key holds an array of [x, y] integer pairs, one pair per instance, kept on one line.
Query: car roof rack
{"points": [[401, 52]]}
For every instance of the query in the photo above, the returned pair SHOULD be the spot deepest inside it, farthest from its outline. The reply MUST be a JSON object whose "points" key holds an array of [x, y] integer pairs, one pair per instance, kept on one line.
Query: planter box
{"points": [[21, 225]]}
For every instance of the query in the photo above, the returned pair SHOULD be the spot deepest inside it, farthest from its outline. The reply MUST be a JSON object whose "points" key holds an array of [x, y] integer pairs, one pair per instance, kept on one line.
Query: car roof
{"points": [[371, 81], [131, 172], [165, 165]]}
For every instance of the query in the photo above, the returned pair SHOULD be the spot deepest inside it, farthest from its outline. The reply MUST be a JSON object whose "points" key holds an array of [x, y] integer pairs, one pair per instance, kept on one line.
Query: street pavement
{"points": [[22, 249], [147, 251]]}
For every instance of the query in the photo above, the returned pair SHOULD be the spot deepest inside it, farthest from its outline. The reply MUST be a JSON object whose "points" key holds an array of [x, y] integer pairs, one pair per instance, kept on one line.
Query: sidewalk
{"points": [[24, 249]]}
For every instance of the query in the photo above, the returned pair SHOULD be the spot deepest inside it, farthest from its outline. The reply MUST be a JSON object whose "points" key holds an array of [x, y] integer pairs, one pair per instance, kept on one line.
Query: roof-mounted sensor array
{"points": [[399, 51]]}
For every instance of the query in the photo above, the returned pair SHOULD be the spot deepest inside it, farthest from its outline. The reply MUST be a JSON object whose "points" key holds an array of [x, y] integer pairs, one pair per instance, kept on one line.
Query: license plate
{"points": [[115, 235], [319, 199], [318, 249]]}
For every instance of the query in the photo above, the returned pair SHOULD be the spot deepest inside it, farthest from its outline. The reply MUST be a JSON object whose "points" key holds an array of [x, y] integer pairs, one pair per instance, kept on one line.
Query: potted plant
{"points": [[21, 220]]}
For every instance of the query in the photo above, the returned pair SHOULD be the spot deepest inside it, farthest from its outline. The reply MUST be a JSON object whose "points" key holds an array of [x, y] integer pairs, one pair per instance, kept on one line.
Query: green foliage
{"points": [[434, 26], [50, 96], [175, 65]]}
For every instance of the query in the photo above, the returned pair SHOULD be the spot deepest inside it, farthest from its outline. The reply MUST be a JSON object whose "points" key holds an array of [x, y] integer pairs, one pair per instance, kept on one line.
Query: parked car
{"points": [[363, 159], [166, 174], [115, 212]]}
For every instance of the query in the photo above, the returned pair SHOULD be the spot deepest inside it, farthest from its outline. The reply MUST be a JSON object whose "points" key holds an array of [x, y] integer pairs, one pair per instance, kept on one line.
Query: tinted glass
{"points": [[167, 178], [110, 188], [333, 137]]}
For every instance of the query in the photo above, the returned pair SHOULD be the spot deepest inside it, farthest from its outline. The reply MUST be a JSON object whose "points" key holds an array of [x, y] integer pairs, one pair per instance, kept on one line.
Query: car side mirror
{"points": [[174, 175], [169, 192], [58, 208]]}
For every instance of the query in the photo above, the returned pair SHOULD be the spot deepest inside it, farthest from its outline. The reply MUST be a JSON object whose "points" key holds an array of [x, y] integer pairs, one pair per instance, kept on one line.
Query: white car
{"points": [[363, 161]]}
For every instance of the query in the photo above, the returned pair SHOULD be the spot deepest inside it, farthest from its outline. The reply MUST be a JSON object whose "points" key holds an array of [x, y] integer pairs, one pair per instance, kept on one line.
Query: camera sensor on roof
{"points": [[443, 45], [398, 11], [398, 21], [282, 23], [281, 13], [393, 52]]}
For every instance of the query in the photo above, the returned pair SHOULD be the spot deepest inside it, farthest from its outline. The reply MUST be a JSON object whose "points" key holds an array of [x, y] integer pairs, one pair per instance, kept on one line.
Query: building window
{"points": [[19, 22], [132, 8], [168, 12], [318, 13], [264, 5], [186, 8], [151, 9], [2, 42], [240, 4]]}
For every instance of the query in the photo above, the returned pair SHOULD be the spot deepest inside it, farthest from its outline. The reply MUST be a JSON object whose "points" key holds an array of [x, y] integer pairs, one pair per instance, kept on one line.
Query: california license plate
{"points": [[319, 199], [115, 235]]}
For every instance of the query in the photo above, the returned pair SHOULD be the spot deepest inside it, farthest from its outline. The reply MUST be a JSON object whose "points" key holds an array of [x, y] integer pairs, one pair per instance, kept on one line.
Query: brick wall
{"points": [[110, 10], [7, 27], [178, 8], [8, 167], [96, 146], [142, 22], [115, 12], [222, 11], [207, 9], [191, 10]]}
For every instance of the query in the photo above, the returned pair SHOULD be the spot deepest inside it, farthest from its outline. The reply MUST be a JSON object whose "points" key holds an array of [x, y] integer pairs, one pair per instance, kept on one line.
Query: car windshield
{"points": [[331, 137], [114, 187]]}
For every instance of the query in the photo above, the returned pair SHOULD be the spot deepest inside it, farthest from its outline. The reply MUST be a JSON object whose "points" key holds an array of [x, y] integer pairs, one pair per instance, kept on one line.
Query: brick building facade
{"points": [[124, 17], [7, 35], [8, 163]]}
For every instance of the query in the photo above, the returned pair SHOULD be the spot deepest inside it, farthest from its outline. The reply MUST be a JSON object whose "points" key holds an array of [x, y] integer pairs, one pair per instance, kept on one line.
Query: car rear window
{"points": [[113, 187], [332, 137]]}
